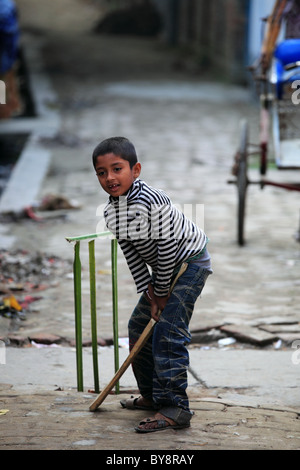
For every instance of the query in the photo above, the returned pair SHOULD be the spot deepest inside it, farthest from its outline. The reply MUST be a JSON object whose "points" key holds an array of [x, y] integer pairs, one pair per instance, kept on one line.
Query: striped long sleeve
{"points": [[152, 233]]}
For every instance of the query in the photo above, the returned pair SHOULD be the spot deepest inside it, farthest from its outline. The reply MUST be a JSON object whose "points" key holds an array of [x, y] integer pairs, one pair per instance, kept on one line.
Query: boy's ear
{"points": [[137, 170]]}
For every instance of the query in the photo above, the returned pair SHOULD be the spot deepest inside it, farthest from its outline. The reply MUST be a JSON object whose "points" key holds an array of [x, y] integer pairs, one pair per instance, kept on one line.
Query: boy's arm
{"points": [[159, 293], [166, 263], [163, 228], [142, 277], [137, 266]]}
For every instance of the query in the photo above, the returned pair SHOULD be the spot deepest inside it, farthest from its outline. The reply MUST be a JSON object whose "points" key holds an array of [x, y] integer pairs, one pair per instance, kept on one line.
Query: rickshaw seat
{"points": [[287, 52]]}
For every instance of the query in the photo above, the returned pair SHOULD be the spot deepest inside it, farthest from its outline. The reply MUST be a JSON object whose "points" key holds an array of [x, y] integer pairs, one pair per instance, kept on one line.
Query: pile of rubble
{"points": [[22, 275], [275, 332]]}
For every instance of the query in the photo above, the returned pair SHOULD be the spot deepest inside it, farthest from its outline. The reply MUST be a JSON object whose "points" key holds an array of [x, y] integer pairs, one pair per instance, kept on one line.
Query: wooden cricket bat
{"points": [[133, 353]]}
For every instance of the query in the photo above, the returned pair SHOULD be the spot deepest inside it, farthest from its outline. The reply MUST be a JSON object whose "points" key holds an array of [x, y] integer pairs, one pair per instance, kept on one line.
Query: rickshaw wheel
{"points": [[242, 181]]}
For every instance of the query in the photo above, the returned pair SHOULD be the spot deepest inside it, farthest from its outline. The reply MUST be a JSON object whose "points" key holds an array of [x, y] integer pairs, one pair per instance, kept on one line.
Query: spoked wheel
{"points": [[242, 180]]}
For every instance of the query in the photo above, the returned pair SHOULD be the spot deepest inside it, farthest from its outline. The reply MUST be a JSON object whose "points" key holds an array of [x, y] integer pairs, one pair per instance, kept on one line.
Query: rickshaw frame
{"points": [[269, 103]]}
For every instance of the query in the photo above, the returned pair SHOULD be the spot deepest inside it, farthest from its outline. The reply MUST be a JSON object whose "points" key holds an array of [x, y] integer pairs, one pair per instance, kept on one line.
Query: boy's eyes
{"points": [[102, 173]]}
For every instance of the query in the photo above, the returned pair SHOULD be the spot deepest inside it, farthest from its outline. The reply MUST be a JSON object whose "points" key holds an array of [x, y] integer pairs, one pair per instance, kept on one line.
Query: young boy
{"points": [[153, 233]]}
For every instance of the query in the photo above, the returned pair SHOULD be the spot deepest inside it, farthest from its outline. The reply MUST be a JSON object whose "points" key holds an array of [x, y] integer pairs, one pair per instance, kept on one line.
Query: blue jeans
{"points": [[161, 366]]}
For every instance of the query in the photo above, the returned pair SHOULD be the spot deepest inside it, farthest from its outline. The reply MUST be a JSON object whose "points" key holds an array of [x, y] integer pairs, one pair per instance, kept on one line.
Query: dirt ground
{"points": [[185, 128]]}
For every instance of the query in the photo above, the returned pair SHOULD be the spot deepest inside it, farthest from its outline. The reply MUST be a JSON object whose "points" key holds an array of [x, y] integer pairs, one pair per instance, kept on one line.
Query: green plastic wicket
{"points": [[92, 265], [78, 305], [78, 315]]}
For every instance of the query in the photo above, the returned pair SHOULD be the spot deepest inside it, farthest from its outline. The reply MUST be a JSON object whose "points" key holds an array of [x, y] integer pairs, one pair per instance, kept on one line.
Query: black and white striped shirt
{"points": [[153, 233]]}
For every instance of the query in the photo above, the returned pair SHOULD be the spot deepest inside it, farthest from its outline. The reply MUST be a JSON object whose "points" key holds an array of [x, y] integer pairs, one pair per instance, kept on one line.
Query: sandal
{"points": [[131, 404], [162, 424]]}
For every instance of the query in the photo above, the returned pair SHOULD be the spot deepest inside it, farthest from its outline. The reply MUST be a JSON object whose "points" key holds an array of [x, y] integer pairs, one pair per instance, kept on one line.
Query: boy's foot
{"points": [[158, 422], [139, 403]]}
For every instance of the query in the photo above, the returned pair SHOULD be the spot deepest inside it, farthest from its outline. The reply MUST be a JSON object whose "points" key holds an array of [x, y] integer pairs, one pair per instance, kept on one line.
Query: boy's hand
{"points": [[154, 311], [151, 298], [161, 301], [157, 303]]}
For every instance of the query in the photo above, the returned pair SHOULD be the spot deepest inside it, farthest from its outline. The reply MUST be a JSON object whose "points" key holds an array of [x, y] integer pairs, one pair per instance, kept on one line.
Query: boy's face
{"points": [[115, 175]]}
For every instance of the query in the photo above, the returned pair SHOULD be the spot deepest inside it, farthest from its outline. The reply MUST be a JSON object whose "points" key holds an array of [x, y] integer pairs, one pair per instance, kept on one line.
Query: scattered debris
{"points": [[28, 299], [249, 334], [21, 270], [124, 343], [285, 332], [274, 334], [86, 343], [54, 202], [30, 214], [51, 202], [282, 328], [38, 340], [21, 275], [10, 307], [45, 338], [15, 340], [11, 302], [208, 335], [278, 344], [226, 341], [44, 345]]}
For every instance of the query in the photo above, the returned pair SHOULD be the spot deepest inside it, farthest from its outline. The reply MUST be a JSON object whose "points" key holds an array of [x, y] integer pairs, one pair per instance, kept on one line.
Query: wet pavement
{"points": [[185, 129], [244, 400]]}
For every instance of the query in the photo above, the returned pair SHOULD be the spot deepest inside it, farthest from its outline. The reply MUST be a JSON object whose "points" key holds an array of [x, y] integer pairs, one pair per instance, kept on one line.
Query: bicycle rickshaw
{"points": [[277, 77]]}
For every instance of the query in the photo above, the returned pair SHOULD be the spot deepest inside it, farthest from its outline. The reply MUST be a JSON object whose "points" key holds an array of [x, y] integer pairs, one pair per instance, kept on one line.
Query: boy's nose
{"points": [[109, 177]]}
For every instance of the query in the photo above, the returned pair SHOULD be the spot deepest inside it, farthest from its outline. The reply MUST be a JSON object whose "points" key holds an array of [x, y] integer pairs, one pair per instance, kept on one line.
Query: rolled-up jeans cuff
{"points": [[177, 414]]}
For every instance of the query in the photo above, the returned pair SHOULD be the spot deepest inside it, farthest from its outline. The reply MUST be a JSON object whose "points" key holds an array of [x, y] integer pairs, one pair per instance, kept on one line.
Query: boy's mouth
{"points": [[113, 187]]}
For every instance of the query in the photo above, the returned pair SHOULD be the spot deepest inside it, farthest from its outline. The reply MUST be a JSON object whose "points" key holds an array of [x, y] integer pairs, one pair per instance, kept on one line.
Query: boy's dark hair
{"points": [[120, 146]]}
